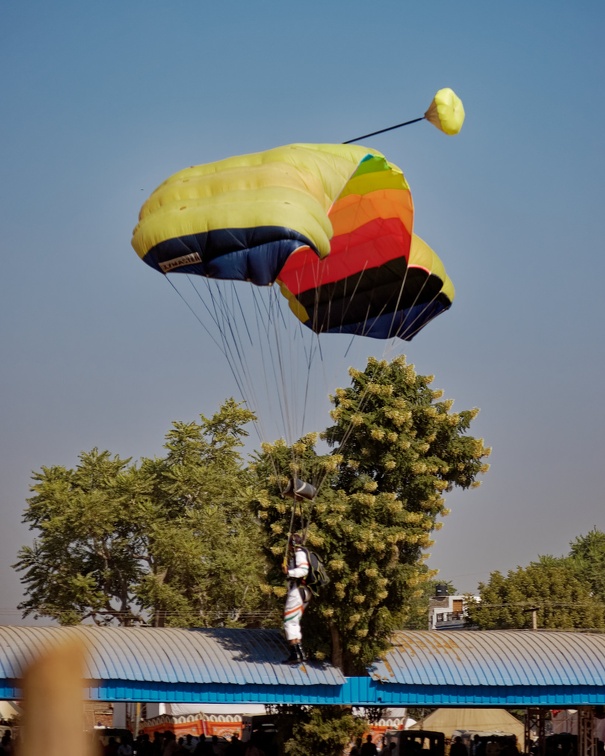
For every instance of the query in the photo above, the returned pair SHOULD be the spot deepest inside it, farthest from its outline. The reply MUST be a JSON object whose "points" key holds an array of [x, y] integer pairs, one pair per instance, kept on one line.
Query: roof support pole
{"points": [[535, 722], [587, 742]]}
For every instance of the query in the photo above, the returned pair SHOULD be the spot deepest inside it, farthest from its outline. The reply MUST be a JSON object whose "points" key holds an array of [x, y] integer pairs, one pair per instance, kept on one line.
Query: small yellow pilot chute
{"points": [[446, 112]]}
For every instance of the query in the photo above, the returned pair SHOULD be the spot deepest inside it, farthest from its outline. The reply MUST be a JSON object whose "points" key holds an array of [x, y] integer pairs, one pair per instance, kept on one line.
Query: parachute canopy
{"points": [[331, 224]]}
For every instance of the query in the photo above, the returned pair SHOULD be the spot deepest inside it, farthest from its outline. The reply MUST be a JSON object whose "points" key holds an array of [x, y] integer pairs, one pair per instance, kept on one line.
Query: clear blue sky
{"points": [[102, 101]]}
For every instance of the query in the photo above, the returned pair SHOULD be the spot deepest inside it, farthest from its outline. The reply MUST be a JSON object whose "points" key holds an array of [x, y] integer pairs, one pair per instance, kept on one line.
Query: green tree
{"points": [[397, 449], [587, 555], [550, 586], [325, 730], [169, 541], [302, 730]]}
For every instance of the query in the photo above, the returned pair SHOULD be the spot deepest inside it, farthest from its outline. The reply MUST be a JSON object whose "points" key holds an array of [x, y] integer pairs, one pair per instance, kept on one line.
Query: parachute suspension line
{"points": [[300, 360], [289, 382], [241, 312], [261, 430], [196, 316], [346, 435], [281, 367], [377, 371], [345, 294], [365, 394], [304, 525], [267, 337], [233, 345], [290, 358], [262, 347], [416, 299], [360, 406], [264, 315], [211, 313], [218, 316], [353, 294], [282, 353], [311, 350], [222, 344], [261, 340], [234, 324], [430, 302], [309, 353], [239, 358], [221, 314], [290, 532], [395, 309], [231, 348]]}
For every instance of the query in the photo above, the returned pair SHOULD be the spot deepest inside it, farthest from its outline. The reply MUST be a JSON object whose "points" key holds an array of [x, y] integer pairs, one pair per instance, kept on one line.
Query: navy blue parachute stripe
{"points": [[240, 254]]}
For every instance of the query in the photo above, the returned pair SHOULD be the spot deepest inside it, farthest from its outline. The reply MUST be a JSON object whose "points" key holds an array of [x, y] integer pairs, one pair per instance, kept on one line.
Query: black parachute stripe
{"points": [[372, 293]]}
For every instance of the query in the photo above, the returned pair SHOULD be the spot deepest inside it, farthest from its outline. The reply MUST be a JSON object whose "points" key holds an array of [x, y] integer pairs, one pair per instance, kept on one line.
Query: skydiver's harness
{"points": [[316, 577]]}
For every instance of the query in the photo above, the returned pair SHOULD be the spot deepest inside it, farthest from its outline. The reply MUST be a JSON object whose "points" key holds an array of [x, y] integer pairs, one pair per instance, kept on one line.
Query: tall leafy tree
{"points": [[84, 561], [325, 730], [563, 592], [397, 449], [587, 554], [168, 541]]}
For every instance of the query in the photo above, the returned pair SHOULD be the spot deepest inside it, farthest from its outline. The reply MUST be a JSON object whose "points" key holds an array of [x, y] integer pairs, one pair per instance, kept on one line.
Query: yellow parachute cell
{"points": [[242, 217]]}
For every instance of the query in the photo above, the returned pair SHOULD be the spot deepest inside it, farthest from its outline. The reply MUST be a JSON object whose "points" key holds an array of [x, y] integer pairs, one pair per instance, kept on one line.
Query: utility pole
{"points": [[534, 616]]}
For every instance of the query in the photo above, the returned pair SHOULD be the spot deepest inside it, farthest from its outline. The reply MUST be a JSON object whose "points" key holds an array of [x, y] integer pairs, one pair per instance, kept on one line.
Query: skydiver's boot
{"points": [[293, 658], [300, 654]]}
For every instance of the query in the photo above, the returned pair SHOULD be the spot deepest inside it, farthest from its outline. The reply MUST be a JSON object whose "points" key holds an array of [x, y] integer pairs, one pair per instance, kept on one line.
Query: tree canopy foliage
{"points": [[587, 554], [566, 592], [325, 730], [397, 448], [168, 541]]}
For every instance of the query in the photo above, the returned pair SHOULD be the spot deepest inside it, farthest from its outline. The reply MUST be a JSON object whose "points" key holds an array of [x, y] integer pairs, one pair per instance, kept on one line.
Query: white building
{"points": [[447, 612]]}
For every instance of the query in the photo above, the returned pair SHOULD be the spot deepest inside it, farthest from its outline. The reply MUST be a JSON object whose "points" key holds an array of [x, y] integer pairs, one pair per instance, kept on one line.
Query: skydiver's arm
{"points": [[302, 565]]}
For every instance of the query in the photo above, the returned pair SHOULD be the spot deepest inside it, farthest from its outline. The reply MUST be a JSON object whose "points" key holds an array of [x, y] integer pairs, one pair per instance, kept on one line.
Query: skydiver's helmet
{"points": [[297, 539]]}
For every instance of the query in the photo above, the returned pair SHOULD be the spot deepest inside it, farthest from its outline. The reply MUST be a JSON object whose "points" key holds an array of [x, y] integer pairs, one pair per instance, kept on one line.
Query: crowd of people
{"points": [[497, 746], [369, 748], [168, 744]]}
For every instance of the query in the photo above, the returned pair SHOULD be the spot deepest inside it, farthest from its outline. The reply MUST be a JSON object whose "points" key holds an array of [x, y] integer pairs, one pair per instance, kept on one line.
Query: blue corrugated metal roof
{"points": [[170, 655], [424, 668], [494, 658]]}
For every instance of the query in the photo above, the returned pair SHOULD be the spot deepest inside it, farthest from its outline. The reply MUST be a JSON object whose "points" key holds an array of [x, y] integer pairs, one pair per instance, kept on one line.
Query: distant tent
{"points": [[488, 721], [9, 710], [566, 720]]}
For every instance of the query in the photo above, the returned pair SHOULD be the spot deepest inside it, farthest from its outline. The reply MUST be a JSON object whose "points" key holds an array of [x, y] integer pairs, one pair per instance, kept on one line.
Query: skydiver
{"points": [[296, 567]]}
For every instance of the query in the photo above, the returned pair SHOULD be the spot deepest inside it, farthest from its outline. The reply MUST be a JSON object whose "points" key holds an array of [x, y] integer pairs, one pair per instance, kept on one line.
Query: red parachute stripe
{"points": [[369, 246]]}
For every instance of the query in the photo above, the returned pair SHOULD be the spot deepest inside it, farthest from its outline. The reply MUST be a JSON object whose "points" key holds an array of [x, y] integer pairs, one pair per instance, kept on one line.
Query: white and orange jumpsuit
{"points": [[298, 596]]}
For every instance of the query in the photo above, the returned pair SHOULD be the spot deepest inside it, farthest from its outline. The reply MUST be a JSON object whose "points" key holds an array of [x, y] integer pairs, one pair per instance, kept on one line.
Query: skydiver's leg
{"points": [[297, 600], [293, 612]]}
